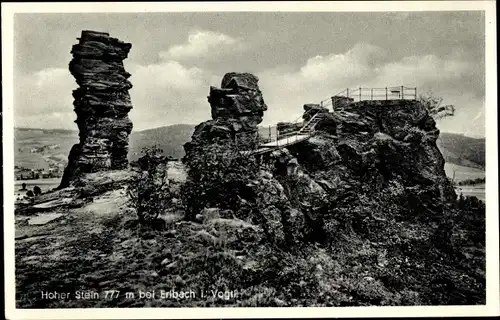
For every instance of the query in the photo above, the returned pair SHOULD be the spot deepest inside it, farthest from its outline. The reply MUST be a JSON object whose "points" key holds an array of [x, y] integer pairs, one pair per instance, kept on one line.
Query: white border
{"points": [[492, 306]]}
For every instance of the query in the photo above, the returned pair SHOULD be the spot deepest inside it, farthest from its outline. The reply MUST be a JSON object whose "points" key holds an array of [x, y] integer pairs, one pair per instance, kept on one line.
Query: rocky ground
{"points": [[99, 247]]}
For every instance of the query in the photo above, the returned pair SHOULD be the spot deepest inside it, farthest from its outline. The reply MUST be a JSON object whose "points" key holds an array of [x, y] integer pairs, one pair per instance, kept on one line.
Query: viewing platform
{"points": [[337, 102]]}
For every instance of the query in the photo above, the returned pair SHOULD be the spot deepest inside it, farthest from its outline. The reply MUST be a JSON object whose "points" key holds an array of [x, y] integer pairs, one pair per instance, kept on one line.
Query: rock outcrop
{"points": [[237, 109], [368, 150], [358, 157], [102, 104]]}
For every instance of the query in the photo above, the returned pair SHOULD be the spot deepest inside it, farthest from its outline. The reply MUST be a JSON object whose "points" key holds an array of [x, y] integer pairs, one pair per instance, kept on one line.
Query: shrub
{"points": [[149, 191], [37, 191], [472, 181]]}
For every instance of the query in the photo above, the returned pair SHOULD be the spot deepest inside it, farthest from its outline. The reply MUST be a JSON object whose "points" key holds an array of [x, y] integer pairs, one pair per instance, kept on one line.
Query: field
{"points": [[465, 173], [25, 139], [473, 191]]}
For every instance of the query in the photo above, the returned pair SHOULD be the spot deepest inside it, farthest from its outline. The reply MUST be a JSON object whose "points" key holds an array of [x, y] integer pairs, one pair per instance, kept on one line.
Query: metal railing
{"points": [[354, 95], [387, 93], [326, 103], [280, 139], [299, 119]]}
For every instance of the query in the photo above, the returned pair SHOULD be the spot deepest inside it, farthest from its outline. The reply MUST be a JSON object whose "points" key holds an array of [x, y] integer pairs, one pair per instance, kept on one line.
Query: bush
{"points": [[470, 203], [472, 181], [149, 192], [218, 176]]}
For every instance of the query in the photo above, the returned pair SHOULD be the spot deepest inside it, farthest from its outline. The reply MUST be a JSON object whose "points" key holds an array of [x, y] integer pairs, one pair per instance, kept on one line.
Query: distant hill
{"points": [[462, 150], [169, 138], [26, 140], [456, 148]]}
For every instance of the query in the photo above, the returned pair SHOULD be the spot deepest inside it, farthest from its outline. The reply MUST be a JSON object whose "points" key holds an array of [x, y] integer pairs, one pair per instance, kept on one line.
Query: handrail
{"points": [[389, 93], [356, 95], [386, 93], [295, 132], [316, 115]]}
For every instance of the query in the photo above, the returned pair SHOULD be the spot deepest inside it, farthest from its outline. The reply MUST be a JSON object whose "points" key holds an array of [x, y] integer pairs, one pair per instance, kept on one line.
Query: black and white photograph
{"points": [[250, 159]]}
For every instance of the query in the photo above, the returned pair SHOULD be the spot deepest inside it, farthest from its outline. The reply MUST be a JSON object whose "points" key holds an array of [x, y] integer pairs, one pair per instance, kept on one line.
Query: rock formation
{"points": [[367, 153], [237, 109], [102, 103], [389, 139], [369, 149]]}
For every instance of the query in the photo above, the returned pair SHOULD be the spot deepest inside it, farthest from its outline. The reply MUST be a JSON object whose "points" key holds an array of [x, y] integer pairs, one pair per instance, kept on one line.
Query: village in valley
{"points": [[44, 174]]}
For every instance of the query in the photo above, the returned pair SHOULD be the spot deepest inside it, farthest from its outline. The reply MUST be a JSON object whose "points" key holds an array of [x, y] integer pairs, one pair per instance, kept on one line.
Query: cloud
{"points": [[169, 75], [202, 43], [168, 93], [50, 120], [43, 97], [162, 94], [171, 91], [365, 65], [425, 70]]}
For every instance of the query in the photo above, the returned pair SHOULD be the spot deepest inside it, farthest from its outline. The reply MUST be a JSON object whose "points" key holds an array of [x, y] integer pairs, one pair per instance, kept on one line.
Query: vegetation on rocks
{"points": [[434, 106], [149, 191], [218, 176]]}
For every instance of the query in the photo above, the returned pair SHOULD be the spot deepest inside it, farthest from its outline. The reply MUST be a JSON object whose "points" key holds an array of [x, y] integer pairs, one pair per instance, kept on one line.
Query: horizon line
{"points": [[190, 124]]}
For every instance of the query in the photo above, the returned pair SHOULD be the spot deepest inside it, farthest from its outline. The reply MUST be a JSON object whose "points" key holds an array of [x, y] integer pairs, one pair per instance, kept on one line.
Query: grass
{"points": [[98, 249]]}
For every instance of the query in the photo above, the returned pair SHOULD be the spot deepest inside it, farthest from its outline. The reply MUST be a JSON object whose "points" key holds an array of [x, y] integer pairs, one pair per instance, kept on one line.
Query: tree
{"points": [[433, 105], [149, 192], [37, 191]]}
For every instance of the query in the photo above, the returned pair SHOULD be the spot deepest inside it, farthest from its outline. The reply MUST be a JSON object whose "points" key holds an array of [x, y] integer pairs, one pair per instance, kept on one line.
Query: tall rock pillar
{"points": [[102, 104], [237, 109]]}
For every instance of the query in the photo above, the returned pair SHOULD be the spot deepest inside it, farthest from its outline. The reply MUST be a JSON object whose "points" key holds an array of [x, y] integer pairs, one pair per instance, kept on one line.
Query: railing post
{"points": [[371, 95], [402, 93], [359, 94], [347, 92], [385, 93], [270, 135], [415, 93]]}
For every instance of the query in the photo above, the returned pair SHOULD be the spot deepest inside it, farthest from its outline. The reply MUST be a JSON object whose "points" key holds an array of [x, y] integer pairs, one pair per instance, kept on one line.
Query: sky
{"points": [[299, 57]]}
